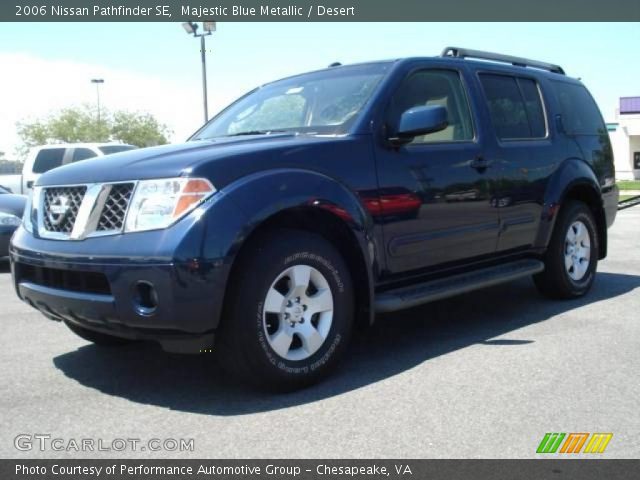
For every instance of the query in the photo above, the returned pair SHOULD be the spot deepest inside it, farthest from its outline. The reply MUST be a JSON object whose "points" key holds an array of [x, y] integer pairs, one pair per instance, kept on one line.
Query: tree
{"points": [[80, 124], [140, 129]]}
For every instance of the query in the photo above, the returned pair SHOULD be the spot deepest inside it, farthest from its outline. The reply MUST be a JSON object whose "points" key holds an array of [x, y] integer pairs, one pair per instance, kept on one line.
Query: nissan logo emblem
{"points": [[58, 210]]}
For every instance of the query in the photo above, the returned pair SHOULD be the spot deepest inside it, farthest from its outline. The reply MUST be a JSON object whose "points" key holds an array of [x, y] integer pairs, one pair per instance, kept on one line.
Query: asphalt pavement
{"points": [[484, 375]]}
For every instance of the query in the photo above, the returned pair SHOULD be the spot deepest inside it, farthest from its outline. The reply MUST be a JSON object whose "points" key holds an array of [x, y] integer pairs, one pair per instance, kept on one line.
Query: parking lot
{"points": [[485, 375]]}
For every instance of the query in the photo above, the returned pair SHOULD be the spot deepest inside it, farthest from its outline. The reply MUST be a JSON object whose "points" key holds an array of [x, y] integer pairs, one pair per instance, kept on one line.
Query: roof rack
{"points": [[497, 57]]}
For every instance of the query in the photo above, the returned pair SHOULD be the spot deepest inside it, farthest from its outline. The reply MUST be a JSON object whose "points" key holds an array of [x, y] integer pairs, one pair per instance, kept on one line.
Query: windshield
{"points": [[109, 149], [325, 102]]}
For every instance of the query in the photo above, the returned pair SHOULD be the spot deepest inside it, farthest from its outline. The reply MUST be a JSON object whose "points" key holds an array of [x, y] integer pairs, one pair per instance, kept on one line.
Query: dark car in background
{"points": [[11, 211], [316, 201]]}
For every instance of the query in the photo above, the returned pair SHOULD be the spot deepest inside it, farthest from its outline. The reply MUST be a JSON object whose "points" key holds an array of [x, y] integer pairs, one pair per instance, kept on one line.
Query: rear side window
{"points": [[580, 114], [47, 159], [515, 107], [82, 154]]}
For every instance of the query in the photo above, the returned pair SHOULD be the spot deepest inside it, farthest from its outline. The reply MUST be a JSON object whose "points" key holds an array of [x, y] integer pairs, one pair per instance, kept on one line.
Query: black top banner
{"points": [[318, 10]]}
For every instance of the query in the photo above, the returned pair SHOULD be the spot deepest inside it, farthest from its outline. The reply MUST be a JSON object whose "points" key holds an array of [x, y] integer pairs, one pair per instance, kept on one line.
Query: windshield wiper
{"points": [[257, 132]]}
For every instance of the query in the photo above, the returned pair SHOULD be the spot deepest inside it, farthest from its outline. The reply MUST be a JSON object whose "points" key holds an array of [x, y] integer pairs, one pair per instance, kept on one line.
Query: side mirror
{"points": [[422, 121]]}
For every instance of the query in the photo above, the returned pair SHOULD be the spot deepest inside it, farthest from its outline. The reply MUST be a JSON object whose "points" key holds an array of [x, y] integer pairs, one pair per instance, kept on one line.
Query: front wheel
{"points": [[289, 311], [572, 256]]}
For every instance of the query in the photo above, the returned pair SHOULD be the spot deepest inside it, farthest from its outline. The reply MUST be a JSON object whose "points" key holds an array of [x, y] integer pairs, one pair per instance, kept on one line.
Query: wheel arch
{"points": [[311, 202], [574, 180]]}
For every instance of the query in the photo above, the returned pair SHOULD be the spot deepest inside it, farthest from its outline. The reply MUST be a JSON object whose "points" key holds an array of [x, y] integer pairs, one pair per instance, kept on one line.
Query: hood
{"points": [[13, 204], [203, 157]]}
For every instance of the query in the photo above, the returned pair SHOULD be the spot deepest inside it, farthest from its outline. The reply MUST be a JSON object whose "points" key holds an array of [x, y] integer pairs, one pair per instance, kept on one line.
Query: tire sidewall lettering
{"points": [[326, 351], [297, 257]]}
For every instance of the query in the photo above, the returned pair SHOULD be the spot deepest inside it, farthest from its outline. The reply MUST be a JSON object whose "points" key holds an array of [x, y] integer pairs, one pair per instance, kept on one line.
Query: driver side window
{"points": [[430, 88]]}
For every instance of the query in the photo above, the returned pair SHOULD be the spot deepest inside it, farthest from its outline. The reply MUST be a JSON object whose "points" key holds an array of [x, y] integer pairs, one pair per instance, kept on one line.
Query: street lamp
{"points": [[98, 82], [192, 29]]}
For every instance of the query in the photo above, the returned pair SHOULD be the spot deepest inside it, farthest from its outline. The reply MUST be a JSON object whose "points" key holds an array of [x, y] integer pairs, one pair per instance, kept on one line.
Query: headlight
{"points": [[159, 203], [8, 220]]}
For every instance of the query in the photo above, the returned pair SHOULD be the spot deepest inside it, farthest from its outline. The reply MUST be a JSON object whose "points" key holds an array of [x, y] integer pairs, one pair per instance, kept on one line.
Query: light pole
{"points": [[208, 28], [98, 82]]}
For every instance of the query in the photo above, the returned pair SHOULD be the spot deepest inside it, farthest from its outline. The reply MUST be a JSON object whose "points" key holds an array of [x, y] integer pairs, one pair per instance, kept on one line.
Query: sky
{"points": [[155, 67]]}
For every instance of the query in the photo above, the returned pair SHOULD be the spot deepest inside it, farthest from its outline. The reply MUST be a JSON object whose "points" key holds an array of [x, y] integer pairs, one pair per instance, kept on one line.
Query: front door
{"points": [[445, 174]]}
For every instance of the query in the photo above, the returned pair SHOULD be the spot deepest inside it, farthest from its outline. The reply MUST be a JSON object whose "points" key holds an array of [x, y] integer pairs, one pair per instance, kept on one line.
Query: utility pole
{"points": [[98, 82], [208, 28], [204, 79]]}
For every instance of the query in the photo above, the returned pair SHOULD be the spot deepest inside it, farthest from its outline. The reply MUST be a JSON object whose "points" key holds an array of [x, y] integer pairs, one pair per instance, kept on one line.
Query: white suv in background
{"points": [[47, 157]]}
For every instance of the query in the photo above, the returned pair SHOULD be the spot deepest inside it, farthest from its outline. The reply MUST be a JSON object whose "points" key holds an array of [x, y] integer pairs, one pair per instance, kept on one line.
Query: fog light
{"points": [[145, 298]]}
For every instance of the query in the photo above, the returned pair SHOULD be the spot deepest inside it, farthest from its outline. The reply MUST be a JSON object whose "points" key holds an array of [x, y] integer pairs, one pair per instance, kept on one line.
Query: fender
{"points": [[261, 195], [571, 172]]}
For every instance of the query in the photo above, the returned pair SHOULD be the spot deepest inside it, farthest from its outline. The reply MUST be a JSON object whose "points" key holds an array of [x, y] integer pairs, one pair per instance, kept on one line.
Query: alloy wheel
{"points": [[298, 312], [577, 251]]}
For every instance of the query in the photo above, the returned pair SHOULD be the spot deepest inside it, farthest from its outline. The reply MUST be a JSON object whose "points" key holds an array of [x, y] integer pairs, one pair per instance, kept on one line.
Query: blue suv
{"points": [[313, 202]]}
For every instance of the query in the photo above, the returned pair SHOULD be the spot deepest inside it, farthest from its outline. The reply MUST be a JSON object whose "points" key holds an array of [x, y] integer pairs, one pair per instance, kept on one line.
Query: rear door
{"points": [[522, 149]]}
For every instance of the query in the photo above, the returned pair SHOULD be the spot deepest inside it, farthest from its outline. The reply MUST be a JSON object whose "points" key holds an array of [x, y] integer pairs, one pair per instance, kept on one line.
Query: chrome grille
{"points": [[80, 211], [115, 207], [61, 205]]}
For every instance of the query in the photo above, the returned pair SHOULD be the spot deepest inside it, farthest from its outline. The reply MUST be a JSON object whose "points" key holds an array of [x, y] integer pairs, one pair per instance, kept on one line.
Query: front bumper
{"points": [[101, 292]]}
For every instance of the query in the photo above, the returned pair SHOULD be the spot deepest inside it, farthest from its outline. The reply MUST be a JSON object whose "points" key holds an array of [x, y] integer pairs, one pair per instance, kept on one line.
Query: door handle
{"points": [[479, 163], [30, 184]]}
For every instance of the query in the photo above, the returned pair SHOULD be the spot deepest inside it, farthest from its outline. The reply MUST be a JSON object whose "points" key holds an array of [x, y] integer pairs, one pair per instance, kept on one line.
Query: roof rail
{"points": [[497, 57]]}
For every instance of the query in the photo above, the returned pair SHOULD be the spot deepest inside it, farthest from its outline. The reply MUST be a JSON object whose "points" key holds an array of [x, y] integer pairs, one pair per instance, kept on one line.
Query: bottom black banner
{"points": [[320, 469]]}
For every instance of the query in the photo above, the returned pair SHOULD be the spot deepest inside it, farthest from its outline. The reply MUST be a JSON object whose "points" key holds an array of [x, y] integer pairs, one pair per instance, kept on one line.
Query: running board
{"points": [[413, 295]]}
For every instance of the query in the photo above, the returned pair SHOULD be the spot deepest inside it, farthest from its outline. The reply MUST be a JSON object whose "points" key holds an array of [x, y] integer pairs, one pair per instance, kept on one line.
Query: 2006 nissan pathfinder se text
{"points": [[313, 202]]}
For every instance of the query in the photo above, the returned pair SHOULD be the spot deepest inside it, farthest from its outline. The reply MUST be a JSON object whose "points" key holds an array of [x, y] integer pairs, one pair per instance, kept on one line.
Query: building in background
{"points": [[625, 138]]}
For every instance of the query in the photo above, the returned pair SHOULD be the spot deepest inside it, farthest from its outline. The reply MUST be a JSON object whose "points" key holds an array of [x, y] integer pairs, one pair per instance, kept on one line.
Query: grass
{"points": [[629, 184]]}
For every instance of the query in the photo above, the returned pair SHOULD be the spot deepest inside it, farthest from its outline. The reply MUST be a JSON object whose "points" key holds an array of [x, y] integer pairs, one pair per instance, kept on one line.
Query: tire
{"points": [[288, 313], [98, 338], [575, 235]]}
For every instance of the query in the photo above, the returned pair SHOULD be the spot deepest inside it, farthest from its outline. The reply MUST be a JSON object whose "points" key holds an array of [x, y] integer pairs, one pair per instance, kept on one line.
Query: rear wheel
{"points": [[572, 256], [289, 311], [97, 337]]}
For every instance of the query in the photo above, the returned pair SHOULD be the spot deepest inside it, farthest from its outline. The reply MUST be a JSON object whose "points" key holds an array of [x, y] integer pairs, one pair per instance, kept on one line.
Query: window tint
{"points": [[580, 114], [47, 159], [109, 149], [434, 87], [515, 106], [533, 107], [82, 154]]}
